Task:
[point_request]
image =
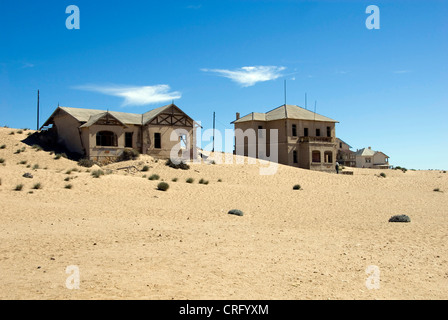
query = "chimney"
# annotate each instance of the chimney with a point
(370, 148)
(238, 116)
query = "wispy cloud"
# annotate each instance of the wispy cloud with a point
(27, 65)
(135, 96)
(402, 71)
(249, 76)
(194, 7)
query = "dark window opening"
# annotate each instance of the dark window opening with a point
(157, 141)
(294, 130)
(106, 139)
(317, 132)
(306, 132)
(316, 156)
(340, 145)
(128, 140)
(294, 156)
(328, 157)
(328, 132)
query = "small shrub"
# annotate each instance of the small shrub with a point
(236, 212)
(219, 180)
(20, 131)
(297, 187)
(57, 156)
(190, 180)
(444, 171)
(154, 177)
(37, 186)
(3, 146)
(163, 186)
(37, 147)
(181, 165)
(68, 171)
(436, 190)
(67, 179)
(129, 154)
(400, 218)
(11, 133)
(145, 169)
(68, 186)
(23, 162)
(97, 173)
(174, 179)
(18, 187)
(35, 167)
(202, 181)
(382, 174)
(87, 163)
(18, 151)
(2, 160)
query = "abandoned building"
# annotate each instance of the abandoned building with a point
(305, 139)
(103, 135)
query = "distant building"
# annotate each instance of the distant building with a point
(345, 156)
(103, 135)
(368, 158)
(306, 139)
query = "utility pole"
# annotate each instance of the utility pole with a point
(214, 125)
(37, 129)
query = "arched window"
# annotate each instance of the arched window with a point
(316, 156)
(328, 157)
(106, 139)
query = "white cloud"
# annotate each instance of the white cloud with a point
(249, 76)
(136, 96)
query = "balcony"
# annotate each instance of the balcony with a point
(317, 139)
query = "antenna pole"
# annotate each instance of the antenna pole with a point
(285, 92)
(38, 106)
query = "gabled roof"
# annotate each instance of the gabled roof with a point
(285, 112)
(94, 119)
(365, 152)
(344, 142)
(89, 116)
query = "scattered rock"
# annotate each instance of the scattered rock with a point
(400, 218)
(236, 212)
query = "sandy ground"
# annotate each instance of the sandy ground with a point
(131, 241)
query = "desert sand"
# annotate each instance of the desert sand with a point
(131, 241)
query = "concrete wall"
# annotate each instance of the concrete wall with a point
(100, 152)
(68, 133)
(166, 144)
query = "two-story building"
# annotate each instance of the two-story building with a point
(305, 139)
(345, 156)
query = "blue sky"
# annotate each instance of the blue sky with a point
(387, 87)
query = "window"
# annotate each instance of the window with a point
(157, 140)
(329, 132)
(328, 157)
(106, 139)
(368, 160)
(294, 157)
(294, 130)
(317, 132)
(316, 156)
(340, 145)
(306, 132)
(128, 140)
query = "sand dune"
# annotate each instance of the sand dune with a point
(131, 241)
